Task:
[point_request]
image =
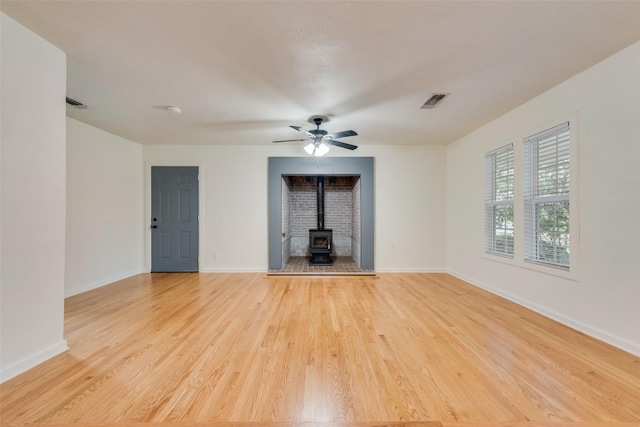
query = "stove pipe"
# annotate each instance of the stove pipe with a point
(320, 182)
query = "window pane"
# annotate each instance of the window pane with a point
(546, 194)
(552, 164)
(503, 229)
(499, 201)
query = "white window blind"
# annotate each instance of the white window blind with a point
(546, 196)
(499, 201)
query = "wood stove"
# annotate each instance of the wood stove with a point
(320, 246)
(320, 239)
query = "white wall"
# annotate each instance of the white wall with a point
(410, 192)
(105, 205)
(33, 82)
(603, 301)
(409, 189)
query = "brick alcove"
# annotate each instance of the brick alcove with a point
(360, 171)
(341, 214)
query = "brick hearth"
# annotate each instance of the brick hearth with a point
(341, 266)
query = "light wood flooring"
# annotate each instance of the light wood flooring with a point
(415, 350)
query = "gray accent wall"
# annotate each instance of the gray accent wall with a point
(362, 166)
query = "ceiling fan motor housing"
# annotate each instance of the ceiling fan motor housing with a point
(318, 132)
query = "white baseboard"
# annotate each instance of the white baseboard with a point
(410, 270)
(23, 365)
(596, 333)
(233, 270)
(99, 283)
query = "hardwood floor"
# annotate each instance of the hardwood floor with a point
(416, 350)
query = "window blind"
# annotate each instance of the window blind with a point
(499, 201)
(546, 196)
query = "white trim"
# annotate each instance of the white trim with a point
(410, 270)
(596, 333)
(99, 283)
(233, 270)
(33, 360)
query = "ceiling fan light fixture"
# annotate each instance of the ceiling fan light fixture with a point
(317, 150)
(322, 149)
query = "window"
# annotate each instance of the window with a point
(546, 197)
(499, 201)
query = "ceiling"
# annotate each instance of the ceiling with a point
(242, 71)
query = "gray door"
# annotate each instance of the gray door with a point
(174, 218)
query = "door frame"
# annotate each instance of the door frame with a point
(146, 221)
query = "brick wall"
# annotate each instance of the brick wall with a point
(338, 207)
(303, 209)
(338, 212)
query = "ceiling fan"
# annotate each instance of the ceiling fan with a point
(320, 138)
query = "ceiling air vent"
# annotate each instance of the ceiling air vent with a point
(75, 103)
(435, 99)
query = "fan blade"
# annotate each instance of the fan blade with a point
(291, 140)
(342, 134)
(340, 144)
(299, 129)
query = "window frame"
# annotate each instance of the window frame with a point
(517, 138)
